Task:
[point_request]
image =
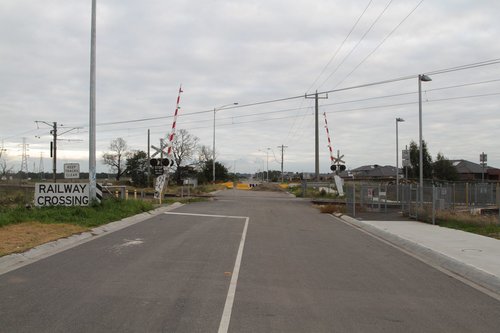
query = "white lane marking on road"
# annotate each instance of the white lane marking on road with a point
(127, 243)
(228, 306)
(208, 215)
(136, 241)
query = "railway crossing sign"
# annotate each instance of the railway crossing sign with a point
(160, 150)
(338, 163)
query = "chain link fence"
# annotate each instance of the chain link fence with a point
(373, 197)
(477, 198)
(16, 194)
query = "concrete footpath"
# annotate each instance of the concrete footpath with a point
(472, 258)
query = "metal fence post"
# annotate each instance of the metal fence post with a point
(361, 195)
(354, 199)
(417, 205)
(491, 194)
(433, 205)
(453, 196)
(385, 201)
(379, 198)
(498, 201)
(467, 195)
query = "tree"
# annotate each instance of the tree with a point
(204, 154)
(206, 174)
(116, 159)
(184, 146)
(137, 168)
(4, 168)
(414, 170)
(444, 169)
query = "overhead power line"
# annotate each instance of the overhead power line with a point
(380, 44)
(463, 67)
(408, 77)
(340, 46)
(357, 109)
(358, 43)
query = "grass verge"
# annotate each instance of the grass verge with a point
(22, 228)
(481, 225)
(91, 216)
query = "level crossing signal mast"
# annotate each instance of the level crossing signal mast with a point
(159, 165)
(166, 160)
(337, 164)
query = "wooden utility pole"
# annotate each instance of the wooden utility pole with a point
(282, 154)
(316, 131)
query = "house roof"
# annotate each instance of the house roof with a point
(464, 166)
(375, 171)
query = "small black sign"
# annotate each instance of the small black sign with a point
(158, 170)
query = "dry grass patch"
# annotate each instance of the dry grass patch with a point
(20, 237)
(482, 225)
(330, 209)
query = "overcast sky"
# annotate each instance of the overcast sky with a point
(249, 52)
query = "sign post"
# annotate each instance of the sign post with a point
(483, 159)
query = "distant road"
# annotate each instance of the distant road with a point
(297, 271)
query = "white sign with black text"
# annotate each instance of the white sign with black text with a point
(62, 194)
(71, 170)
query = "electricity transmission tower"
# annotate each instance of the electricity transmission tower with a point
(2, 150)
(24, 160)
(53, 143)
(41, 170)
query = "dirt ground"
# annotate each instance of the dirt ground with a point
(23, 236)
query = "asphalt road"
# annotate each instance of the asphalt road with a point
(255, 261)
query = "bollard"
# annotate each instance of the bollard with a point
(126, 194)
(135, 194)
(116, 193)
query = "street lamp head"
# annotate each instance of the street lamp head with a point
(399, 120)
(224, 106)
(424, 78)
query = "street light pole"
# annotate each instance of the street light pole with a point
(213, 146)
(92, 107)
(213, 154)
(398, 120)
(424, 78)
(267, 166)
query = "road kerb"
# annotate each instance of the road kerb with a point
(16, 260)
(476, 277)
